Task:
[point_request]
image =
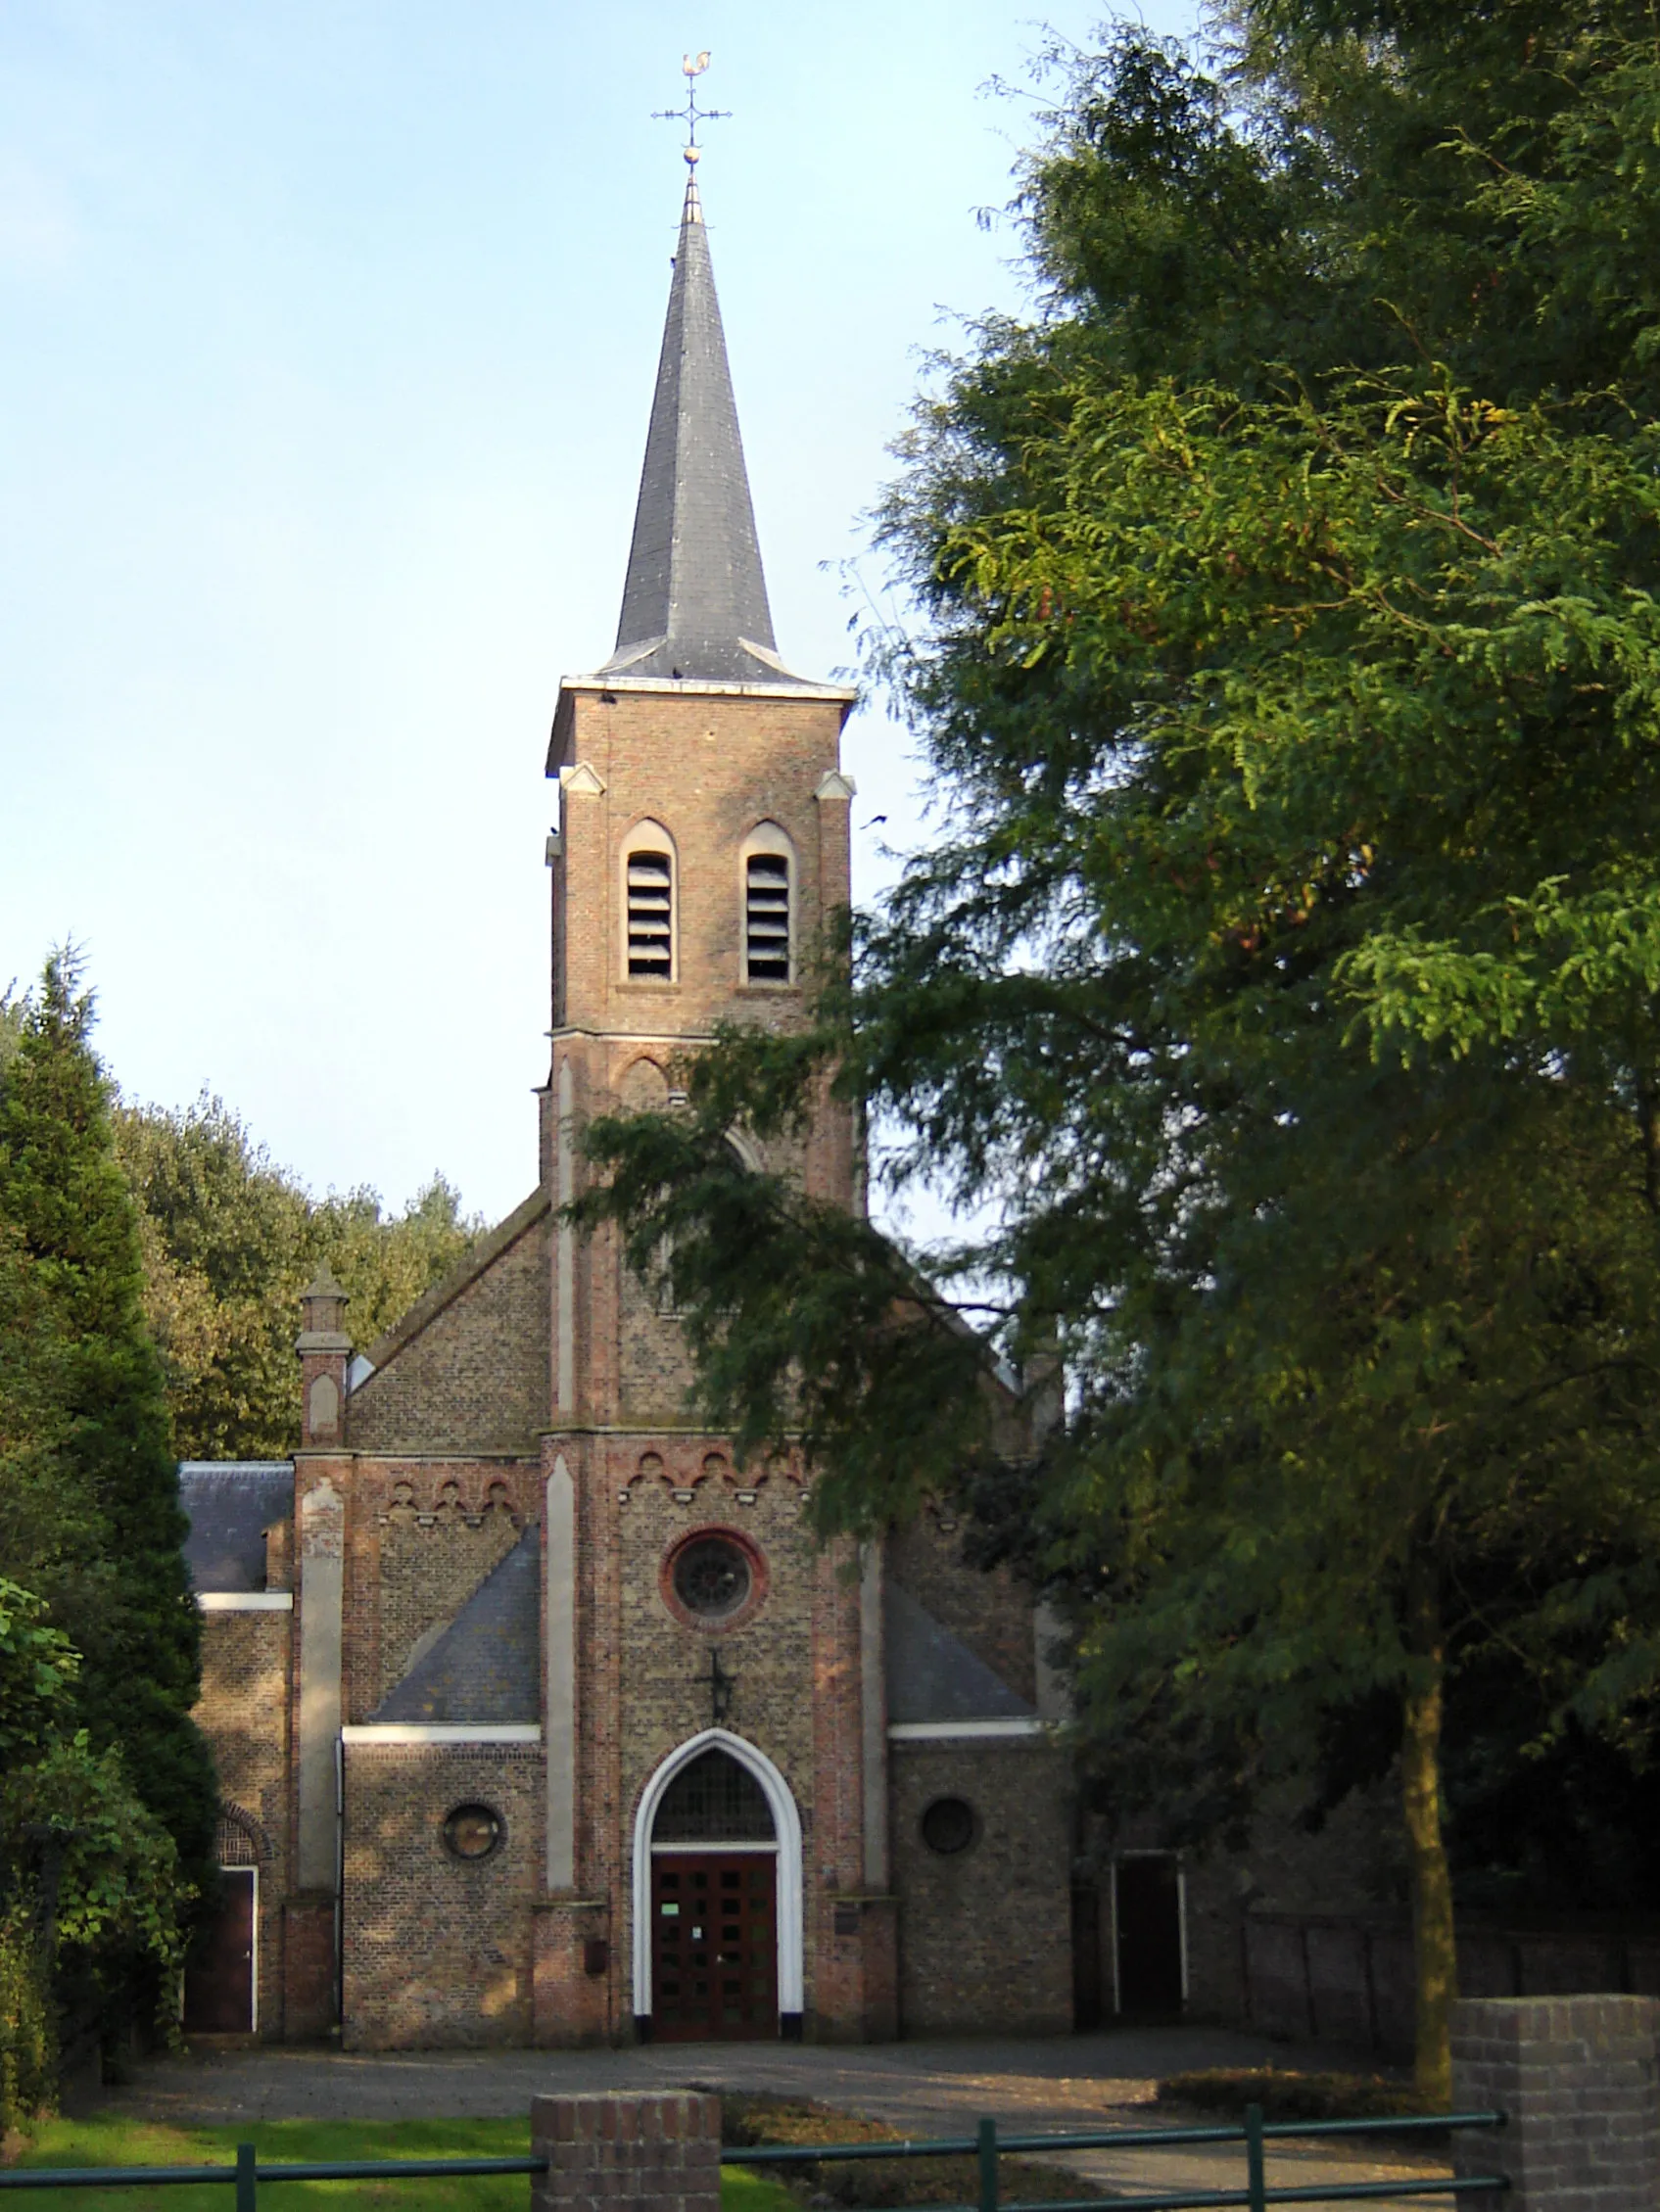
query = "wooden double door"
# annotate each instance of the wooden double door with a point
(714, 1945)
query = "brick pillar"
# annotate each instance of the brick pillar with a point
(627, 2152)
(1577, 2078)
(324, 1349)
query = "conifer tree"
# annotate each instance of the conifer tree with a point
(104, 1534)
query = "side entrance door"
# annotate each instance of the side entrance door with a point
(1147, 1897)
(714, 1945)
(218, 1983)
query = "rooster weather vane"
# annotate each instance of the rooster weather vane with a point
(691, 114)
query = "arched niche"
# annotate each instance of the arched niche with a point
(643, 1088)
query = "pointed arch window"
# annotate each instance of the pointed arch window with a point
(648, 905)
(768, 867)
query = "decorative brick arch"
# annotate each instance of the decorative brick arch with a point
(786, 1827)
(239, 1831)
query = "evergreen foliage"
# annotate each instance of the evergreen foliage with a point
(95, 1527)
(230, 1240)
(1284, 971)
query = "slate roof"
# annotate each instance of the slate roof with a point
(484, 1667)
(231, 1503)
(934, 1675)
(694, 602)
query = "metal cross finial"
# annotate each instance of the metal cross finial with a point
(691, 114)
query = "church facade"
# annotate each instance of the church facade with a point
(538, 1719)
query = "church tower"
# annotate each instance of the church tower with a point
(539, 1721)
(710, 1656)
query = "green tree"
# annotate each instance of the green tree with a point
(1283, 974)
(90, 1895)
(229, 1242)
(89, 1425)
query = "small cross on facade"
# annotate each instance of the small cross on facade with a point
(721, 1687)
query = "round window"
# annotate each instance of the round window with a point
(713, 1578)
(472, 1832)
(949, 1825)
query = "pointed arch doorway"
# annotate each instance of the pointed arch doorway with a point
(717, 1896)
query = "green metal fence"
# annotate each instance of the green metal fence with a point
(985, 2145)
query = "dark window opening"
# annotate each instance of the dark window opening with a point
(650, 901)
(712, 1577)
(472, 1832)
(949, 1825)
(714, 1800)
(766, 915)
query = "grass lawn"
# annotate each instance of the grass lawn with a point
(105, 2140)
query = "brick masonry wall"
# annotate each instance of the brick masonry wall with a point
(650, 2153)
(991, 1612)
(708, 769)
(432, 1561)
(243, 1711)
(421, 1535)
(437, 1952)
(986, 1934)
(663, 1693)
(1351, 1864)
(475, 1377)
(1578, 2079)
(654, 1370)
(308, 1961)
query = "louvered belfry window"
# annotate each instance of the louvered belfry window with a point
(651, 915)
(766, 918)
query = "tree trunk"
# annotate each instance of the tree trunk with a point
(1433, 1947)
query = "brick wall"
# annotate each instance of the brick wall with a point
(1348, 1865)
(655, 1372)
(475, 1377)
(421, 1535)
(437, 1952)
(1578, 2079)
(662, 1694)
(986, 1934)
(652, 2153)
(243, 1711)
(707, 769)
(991, 1612)
(438, 1541)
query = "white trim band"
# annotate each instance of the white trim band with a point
(245, 1601)
(943, 1731)
(440, 1732)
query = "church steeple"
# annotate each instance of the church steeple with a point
(694, 602)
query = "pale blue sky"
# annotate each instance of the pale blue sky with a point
(327, 334)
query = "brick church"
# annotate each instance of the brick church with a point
(539, 1721)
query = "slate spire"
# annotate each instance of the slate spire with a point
(694, 602)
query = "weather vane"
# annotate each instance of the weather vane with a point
(691, 114)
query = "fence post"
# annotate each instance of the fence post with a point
(988, 2146)
(247, 2178)
(1578, 2080)
(627, 2152)
(1256, 2185)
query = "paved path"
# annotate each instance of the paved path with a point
(1066, 2083)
